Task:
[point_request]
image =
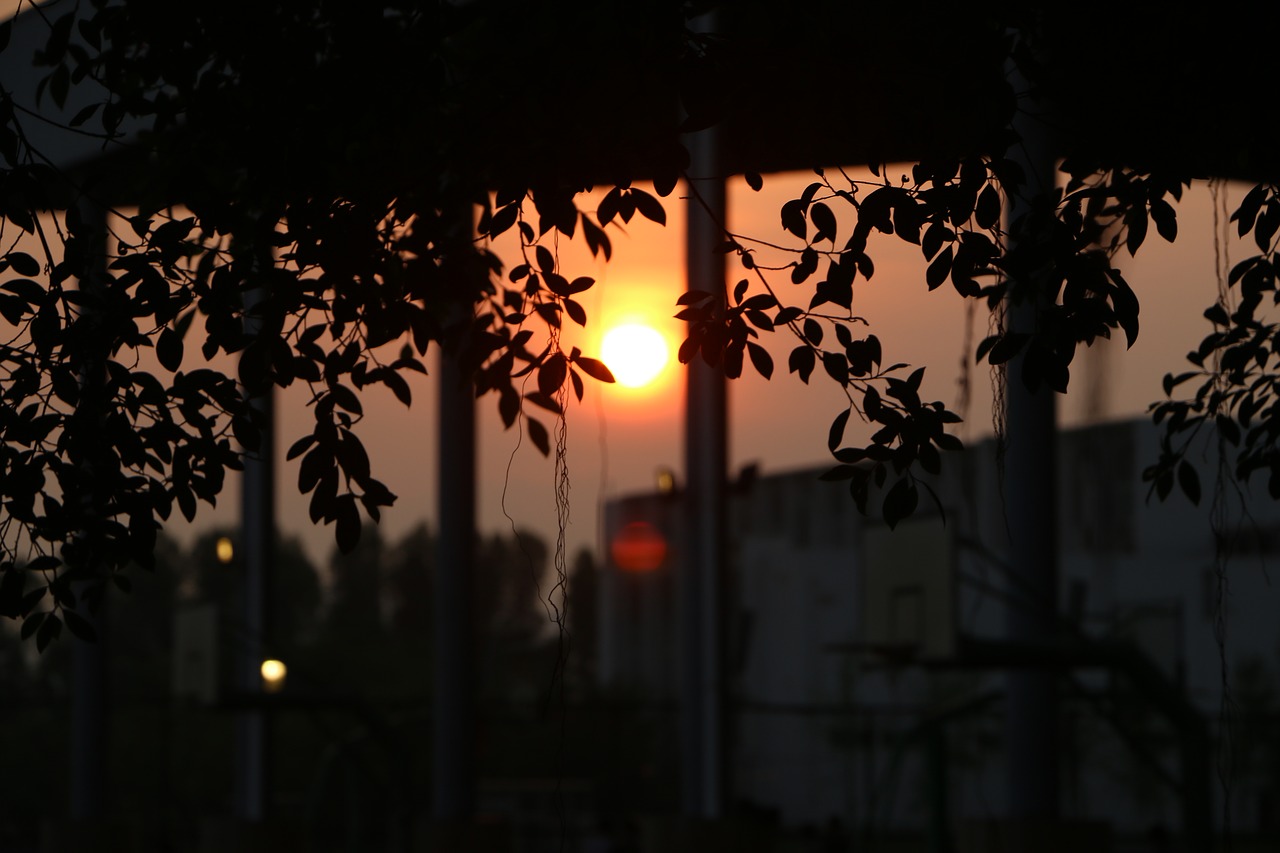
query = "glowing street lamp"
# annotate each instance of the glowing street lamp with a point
(273, 675)
(224, 550)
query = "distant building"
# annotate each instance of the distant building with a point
(832, 615)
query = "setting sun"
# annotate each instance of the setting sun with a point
(635, 353)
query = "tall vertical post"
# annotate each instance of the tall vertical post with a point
(88, 660)
(88, 726)
(253, 741)
(453, 783)
(704, 568)
(1030, 503)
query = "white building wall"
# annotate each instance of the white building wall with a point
(824, 731)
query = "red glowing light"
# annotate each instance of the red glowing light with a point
(638, 547)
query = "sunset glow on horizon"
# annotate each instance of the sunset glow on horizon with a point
(620, 435)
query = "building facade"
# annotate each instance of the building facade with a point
(855, 692)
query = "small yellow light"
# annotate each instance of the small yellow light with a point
(225, 550)
(273, 673)
(666, 481)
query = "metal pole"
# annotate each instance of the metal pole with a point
(253, 739)
(1030, 504)
(257, 531)
(88, 659)
(939, 812)
(88, 726)
(454, 748)
(704, 567)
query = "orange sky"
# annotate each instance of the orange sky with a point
(619, 438)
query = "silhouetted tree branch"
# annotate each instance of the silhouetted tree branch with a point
(342, 139)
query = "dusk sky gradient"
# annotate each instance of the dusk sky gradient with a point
(618, 438)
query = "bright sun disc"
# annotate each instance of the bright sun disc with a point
(636, 354)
